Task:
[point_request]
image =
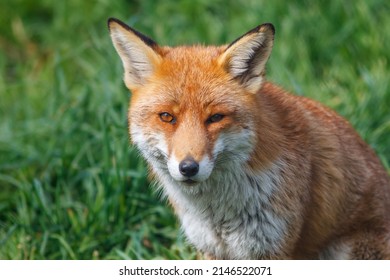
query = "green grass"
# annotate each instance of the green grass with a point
(72, 187)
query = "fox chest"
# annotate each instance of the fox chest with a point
(235, 236)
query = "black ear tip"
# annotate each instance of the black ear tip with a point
(267, 27)
(144, 38)
(110, 21)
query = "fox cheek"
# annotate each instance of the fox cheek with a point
(233, 146)
(219, 146)
(152, 145)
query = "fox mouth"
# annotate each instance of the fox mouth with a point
(190, 182)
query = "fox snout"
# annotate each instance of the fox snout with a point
(189, 170)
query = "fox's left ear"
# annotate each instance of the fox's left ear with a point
(246, 57)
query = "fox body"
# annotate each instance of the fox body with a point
(252, 171)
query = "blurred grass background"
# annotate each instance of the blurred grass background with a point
(72, 187)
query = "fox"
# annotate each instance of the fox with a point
(251, 170)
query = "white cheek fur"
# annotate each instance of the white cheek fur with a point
(152, 146)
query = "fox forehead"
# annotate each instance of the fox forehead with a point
(190, 69)
(180, 57)
(189, 76)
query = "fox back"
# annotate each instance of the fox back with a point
(252, 171)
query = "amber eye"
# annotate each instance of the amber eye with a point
(215, 118)
(166, 117)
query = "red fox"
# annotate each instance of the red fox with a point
(252, 171)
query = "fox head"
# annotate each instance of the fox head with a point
(193, 108)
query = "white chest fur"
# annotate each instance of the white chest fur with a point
(231, 216)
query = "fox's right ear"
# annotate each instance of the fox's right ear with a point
(137, 52)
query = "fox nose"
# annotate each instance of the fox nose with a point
(188, 167)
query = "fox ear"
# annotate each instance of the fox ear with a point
(137, 52)
(246, 57)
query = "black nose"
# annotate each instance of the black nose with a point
(188, 167)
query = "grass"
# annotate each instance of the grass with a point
(72, 187)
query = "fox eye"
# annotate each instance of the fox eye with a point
(166, 117)
(215, 118)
